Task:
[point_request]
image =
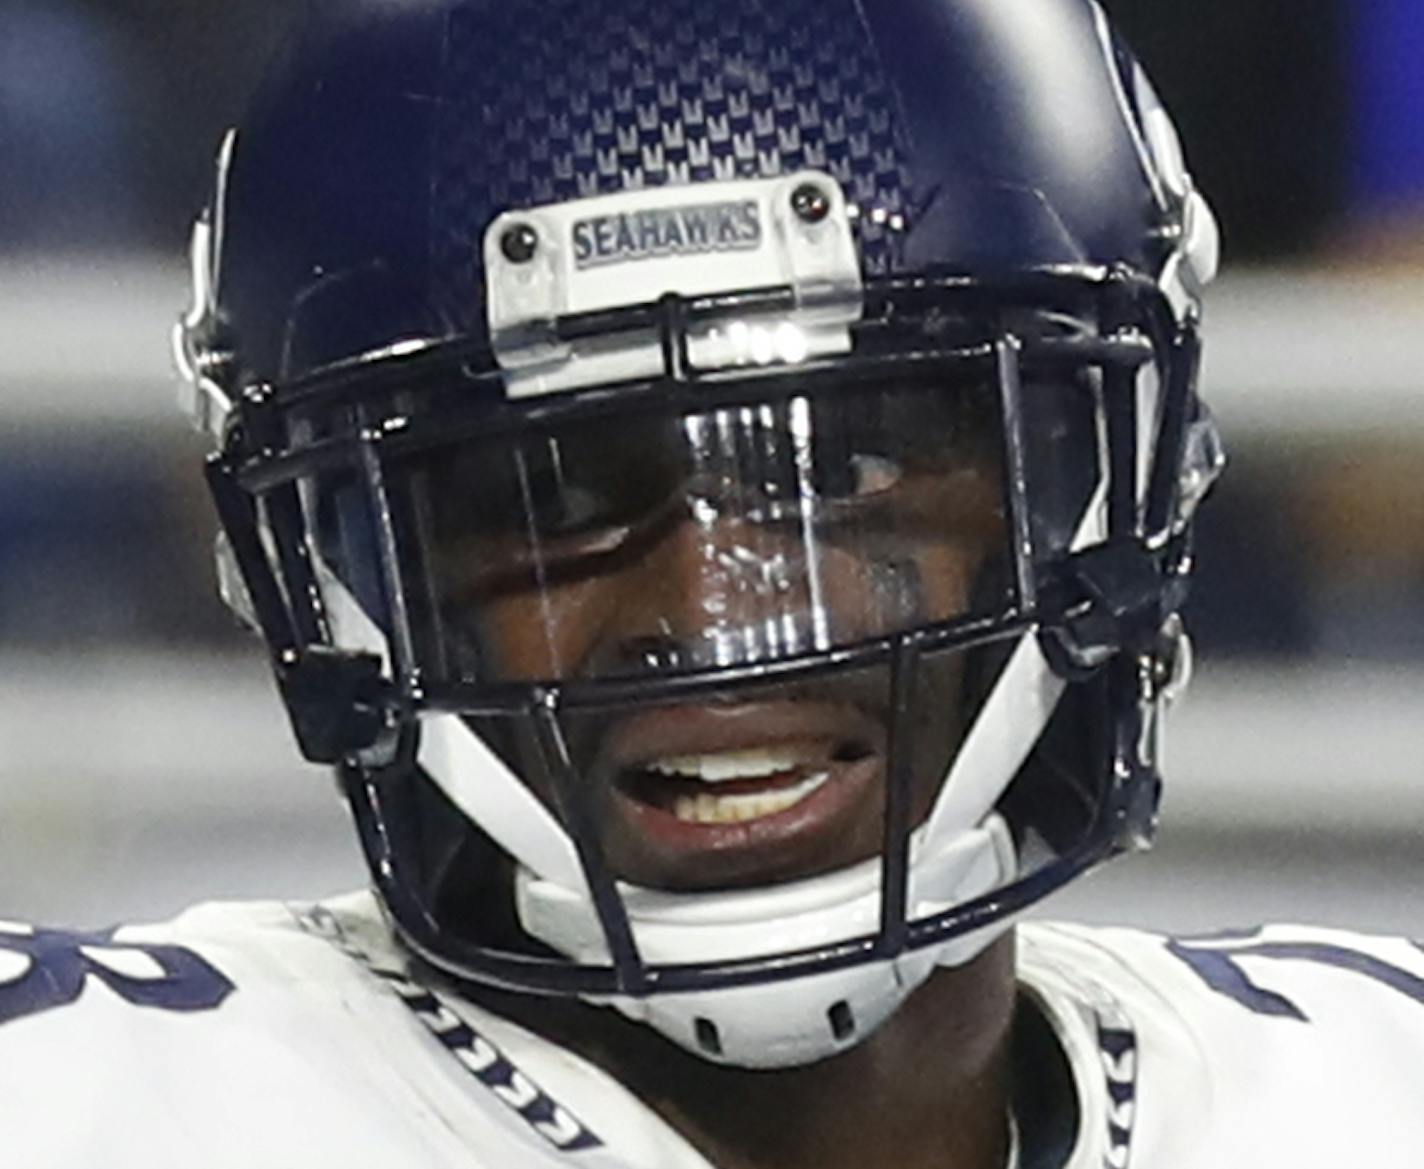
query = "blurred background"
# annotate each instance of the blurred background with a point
(145, 762)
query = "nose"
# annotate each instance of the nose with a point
(713, 591)
(654, 653)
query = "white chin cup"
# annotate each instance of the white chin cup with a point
(798, 1020)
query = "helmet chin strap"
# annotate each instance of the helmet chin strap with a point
(477, 782)
(1014, 716)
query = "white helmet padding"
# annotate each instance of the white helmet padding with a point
(799, 1020)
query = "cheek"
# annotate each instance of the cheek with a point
(535, 636)
(946, 580)
(931, 583)
(939, 727)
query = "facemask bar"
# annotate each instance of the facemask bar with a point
(1116, 594)
(895, 852)
(629, 971)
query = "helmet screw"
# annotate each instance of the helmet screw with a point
(519, 243)
(810, 203)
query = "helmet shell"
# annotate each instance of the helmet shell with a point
(973, 136)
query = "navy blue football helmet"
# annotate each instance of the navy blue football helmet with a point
(716, 479)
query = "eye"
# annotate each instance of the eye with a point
(567, 509)
(872, 475)
(855, 477)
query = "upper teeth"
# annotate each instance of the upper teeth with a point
(730, 765)
(706, 808)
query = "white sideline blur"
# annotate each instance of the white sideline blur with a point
(1290, 351)
(167, 735)
(132, 786)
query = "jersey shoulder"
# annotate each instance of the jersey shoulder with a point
(1335, 980)
(302, 1033)
(44, 971)
(1294, 1043)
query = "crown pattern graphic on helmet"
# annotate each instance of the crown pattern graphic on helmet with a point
(566, 100)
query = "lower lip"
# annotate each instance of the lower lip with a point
(774, 847)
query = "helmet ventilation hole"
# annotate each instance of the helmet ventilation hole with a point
(708, 1037)
(842, 1020)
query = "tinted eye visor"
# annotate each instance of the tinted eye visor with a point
(667, 538)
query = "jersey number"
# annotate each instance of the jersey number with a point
(1216, 964)
(44, 969)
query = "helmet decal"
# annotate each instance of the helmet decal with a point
(552, 102)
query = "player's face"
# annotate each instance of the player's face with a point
(738, 536)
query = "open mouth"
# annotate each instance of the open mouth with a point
(735, 787)
(725, 795)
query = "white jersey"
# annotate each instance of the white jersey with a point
(296, 1037)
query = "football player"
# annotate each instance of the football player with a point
(717, 482)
